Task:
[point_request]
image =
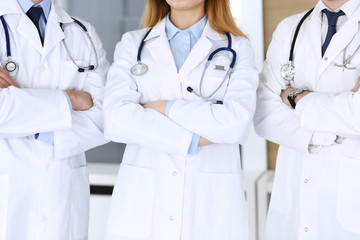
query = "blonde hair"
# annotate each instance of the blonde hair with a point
(217, 11)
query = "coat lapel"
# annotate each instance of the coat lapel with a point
(53, 32)
(28, 30)
(200, 51)
(158, 46)
(24, 26)
(341, 40)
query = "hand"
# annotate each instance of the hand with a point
(157, 105)
(6, 80)
(80, 100)
(357, 86)
(284, 94)
(204, 142)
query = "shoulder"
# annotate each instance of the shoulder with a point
(133, 37)
(242, 45)
(129, 43)
(80, 22)
(289, 24)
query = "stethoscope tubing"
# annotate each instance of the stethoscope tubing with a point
(138, 58)
(82, 68)
(7, 36)
(291, 55)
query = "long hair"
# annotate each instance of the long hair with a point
(217, 11)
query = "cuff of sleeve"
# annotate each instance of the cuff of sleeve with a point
(314, 149)
(68, 100)
(168, 107)
(47, 137)
(323, 139)
(194, 144)
(300, 106)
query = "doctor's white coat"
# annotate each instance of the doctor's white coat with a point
(162, 192)
(315, 196)
(44, 188)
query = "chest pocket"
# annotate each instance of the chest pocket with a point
(215, 79)
(350, 55)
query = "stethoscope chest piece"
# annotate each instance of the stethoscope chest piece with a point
(288, 72)
(10, 66)
(139, 69)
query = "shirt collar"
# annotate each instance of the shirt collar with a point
(348, 8)
(195, 29)
(27, 4)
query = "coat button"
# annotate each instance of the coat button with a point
(171, 218)
(325, 58)
(306, 181)
(174, 173)
(306, 229)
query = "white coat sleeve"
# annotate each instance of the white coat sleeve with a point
(229, 122)
(333, 113)
(127, 121)
(86, 131)
(274, 120)
(24, 112)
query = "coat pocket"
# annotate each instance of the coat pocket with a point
(4, 195)
(132, 203)
(80, 197)
(348, 196)
(220, 210)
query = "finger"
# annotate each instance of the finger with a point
(3, 84)
(6, 76)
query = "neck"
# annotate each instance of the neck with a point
(184, 19)
(37, 1)
(334, 4)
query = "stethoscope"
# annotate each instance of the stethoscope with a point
(141, 68)
(347, 61)
(288, 70)
(12, 67)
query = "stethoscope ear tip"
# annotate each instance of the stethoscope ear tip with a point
(81, 70)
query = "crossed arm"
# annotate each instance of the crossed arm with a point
(160, 107)
(285, 93)
(80, 100)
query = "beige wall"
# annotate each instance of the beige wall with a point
(274, 12)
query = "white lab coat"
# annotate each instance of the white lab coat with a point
(315, 196)
(162, 192)
(44, 188)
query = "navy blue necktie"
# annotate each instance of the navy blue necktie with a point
(34, 14)
(332, 19)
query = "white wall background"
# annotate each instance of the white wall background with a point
(248, 15)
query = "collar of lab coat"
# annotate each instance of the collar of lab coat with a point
(199, 52)
(53, 31)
